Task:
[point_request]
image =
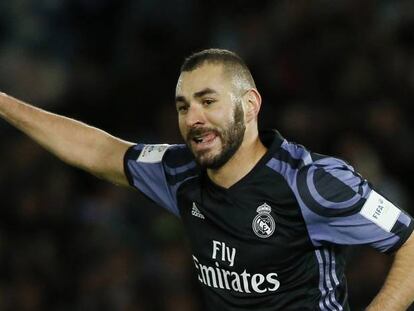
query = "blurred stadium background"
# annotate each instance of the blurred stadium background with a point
(336, 76)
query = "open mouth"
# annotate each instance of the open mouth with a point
(204, 138)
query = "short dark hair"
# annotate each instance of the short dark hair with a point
(232, 63)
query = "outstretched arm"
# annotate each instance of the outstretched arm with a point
(397, 293)
(74, 142)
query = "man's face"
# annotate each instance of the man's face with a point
(210, 114)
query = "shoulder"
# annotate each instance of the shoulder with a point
(302, 160)
(327, 185)
(171, 155)
(158, 171)
(178, 155)
(173, 162)
(331, 187)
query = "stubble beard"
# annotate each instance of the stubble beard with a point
(231, 139)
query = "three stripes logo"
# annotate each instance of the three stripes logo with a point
(196, 212)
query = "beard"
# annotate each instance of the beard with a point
(231, 139)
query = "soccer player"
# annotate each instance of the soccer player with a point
(268, 220)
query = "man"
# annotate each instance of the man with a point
(268, 220)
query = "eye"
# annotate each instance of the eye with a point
(182, 108)
(208, 101)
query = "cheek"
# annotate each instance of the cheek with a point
(182, 127)
(220, 116)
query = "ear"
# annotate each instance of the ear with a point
(252, 102)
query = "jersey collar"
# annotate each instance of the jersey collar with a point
(272, 141)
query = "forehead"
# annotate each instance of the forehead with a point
(211, 76)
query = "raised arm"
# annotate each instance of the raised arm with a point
(74, 142)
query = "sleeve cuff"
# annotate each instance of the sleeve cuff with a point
(130, 154)
(403, 238)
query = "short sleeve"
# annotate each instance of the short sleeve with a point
(158, 171)
(341, 207)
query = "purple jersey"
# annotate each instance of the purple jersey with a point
(275, 240)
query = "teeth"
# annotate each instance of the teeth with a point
(201, 137)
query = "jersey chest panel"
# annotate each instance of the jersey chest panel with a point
(250, 239)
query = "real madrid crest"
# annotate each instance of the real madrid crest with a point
(263, 224)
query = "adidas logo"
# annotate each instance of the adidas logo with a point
(196, 212)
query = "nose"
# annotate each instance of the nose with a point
(195, 116)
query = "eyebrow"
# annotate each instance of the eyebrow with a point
(203, 92)
(206, 91)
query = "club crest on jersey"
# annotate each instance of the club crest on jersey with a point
(263, 224)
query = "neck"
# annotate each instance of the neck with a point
(240, 164)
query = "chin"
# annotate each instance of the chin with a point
(206, 162)
(213, 162)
